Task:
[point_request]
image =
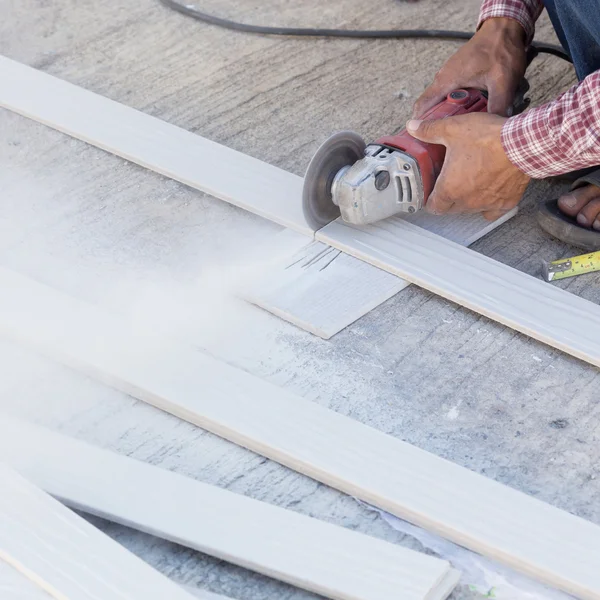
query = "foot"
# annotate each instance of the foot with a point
(583, 204)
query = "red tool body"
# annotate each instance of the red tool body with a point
(430, 157)
(395, 174)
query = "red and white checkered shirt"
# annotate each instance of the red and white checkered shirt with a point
(558, 137)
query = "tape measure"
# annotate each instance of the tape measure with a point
(569, 267)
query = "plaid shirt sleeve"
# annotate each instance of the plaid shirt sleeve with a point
(561, 136)
(525, 12)
(558, 137)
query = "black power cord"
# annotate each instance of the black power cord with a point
(440, 34)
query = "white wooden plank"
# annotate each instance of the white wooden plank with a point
(462, 229)
(66, 556)
(323, 290)
(15, 586)
(178, 154)
(147, 141)
(540, 540)
(317, 556)
(515, 299)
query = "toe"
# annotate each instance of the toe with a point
(573, 202)
(588, 215)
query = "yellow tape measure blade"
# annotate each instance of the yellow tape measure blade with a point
(570, 267)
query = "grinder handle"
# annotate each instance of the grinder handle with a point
(430, 157)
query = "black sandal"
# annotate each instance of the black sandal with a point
(565, 228)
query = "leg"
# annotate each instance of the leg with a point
(577, 24)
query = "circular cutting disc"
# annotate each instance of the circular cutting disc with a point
(340, 150)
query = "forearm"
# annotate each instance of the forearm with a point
(558, 137)
(526, 12)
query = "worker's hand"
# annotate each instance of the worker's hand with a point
(477, 175)
(494, 60)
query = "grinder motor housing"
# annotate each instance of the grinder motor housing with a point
(398, 172)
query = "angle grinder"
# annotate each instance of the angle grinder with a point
(395, 174)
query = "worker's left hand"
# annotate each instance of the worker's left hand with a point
(477, 175)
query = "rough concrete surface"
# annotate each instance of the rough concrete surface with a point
(418, 367)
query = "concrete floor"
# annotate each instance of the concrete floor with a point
(418, 367)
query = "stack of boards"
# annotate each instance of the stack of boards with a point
(555, 547)
(306, 552)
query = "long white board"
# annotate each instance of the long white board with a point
(515, 299)
(15, 586)
(311, 554)
(321, 289)
(232, 176)
(540, 540)
(195, 161)
(67, 557)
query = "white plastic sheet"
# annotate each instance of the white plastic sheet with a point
(486, 577)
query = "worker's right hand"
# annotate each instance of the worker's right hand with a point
(493, 60)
